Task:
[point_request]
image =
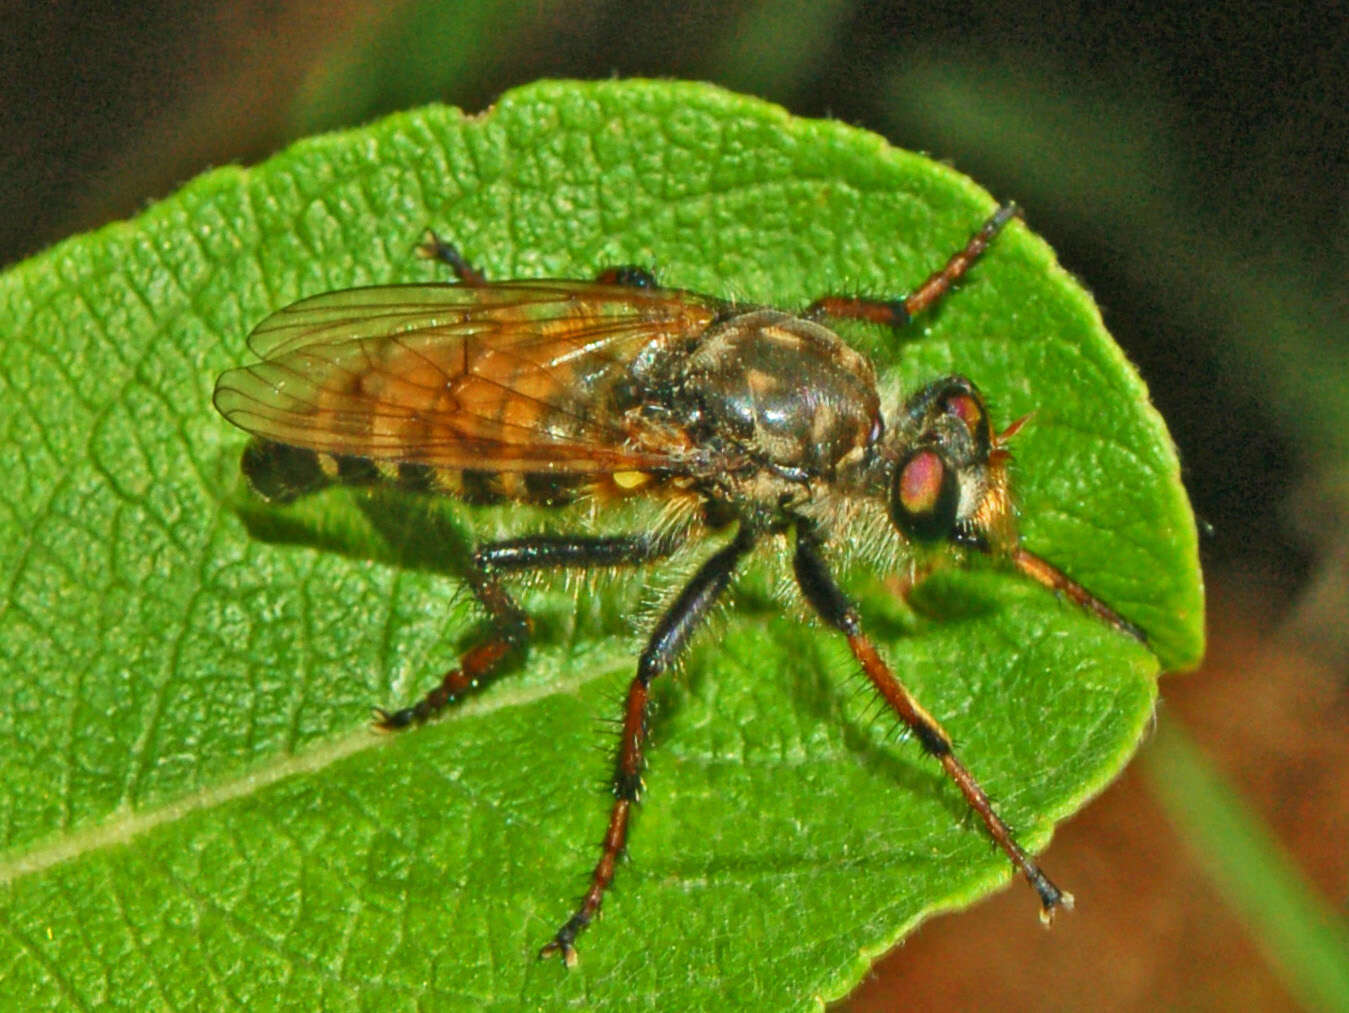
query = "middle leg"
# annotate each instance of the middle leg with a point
(667, 641)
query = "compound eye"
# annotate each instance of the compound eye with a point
(924, 499)
(967, 408)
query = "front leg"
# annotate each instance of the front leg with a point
(667, 641)
(827, 598)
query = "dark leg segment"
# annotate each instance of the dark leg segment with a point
(489, 562)
(432, 247)
(824, 594)
(667, 640)
(627, 275)
(898, 312)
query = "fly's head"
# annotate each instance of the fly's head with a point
(946, 479)
(942, 470)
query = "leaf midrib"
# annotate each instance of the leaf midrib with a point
(127, 823)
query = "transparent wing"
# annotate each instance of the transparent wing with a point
(503, 377)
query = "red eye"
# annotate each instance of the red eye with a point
(967, 409)
(920, 483)
(924, 496)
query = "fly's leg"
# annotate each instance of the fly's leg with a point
(627, 275)
(432, 247)
(489, 563)
(1056, 580)
(822, 591)
(667, 640)
(898, 312)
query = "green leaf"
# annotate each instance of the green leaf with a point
(195, 810)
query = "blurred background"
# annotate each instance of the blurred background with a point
(1188, 162)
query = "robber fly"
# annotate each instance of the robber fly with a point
(757, 421)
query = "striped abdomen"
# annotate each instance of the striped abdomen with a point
(282, 473)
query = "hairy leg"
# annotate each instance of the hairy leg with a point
(668, 639)
(827, 598)
(510, 624)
